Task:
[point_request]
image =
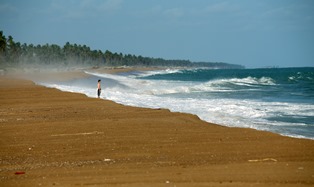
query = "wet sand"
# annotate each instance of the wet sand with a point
(54, 138)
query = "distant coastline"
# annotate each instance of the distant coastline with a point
(15, 55)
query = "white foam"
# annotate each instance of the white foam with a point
(248, 81)
(159, 72)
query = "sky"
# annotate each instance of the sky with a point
(253, 33)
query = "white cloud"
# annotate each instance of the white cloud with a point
(110, 5)
(84, 8)
(287, 16)
(174, 12)
(96, 5)
(9, 12)
(221, 7)
(7, 8)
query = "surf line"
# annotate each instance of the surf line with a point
(79, 134)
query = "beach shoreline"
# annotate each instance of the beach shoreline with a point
(50, 137)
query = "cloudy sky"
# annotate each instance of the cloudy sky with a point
(254, 33)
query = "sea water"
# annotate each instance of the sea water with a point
(280, 100)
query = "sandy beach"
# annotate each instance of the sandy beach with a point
(54, 138)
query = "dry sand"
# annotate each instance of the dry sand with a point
(54, 138)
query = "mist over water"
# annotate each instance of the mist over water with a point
(276, 100)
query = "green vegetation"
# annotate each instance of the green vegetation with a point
(15, 54)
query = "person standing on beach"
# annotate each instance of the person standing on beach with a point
(98, 88)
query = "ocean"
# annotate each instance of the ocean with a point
(279, 100)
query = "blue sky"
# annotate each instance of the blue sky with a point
(254, 33)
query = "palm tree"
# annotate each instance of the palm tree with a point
(3, 42)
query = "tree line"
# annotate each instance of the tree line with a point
(14, 54)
